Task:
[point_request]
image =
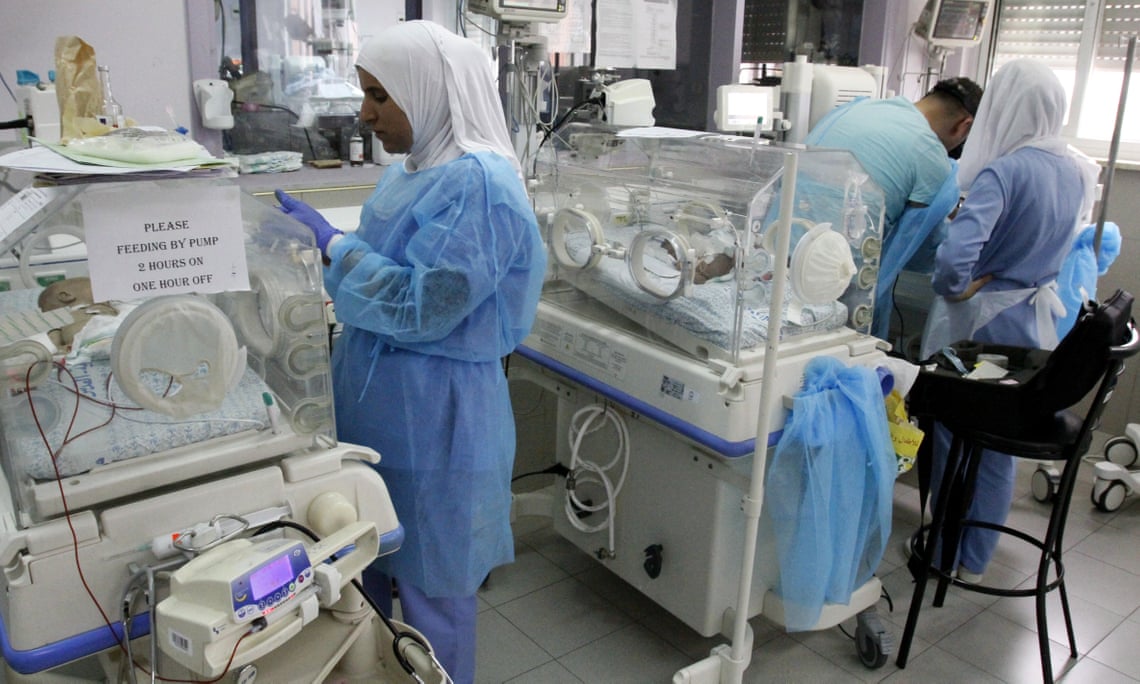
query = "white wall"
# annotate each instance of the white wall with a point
(144, 43)
(887, 40)
(373, 16)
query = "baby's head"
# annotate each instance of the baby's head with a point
(66, 293)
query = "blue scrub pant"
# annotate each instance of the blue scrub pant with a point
(993, 494)
(447, 623)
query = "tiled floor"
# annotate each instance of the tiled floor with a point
(556, 615)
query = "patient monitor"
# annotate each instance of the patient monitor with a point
(953, 23)
(740, 107)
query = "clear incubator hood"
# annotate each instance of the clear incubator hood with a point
(671, 235)
(209, 354)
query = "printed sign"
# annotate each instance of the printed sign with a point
(165, 241)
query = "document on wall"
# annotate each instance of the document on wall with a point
(637, 34)
(570, 35)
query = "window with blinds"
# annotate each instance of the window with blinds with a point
(1121, 21)
(1085, 43)
(1046, 30)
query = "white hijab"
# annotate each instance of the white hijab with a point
(1023, 106)
(446, 87)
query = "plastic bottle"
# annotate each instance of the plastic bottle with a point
(356, 148)
(112, 112)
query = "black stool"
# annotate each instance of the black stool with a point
(1053, 435)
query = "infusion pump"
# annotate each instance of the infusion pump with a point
(520, 10)
(264, 590)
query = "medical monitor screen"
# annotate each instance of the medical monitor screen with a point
(739, 106)
(959, 20)
(953, 23)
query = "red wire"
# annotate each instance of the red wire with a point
(68, 439)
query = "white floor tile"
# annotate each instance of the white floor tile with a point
(1117, 546)
(530, 572)
(1089, 671)
(1101, 583)
(1002, 648)
(550, 673)
(564, 617)
(1091, 623)
(633, 654)
(503, 651)
(786, 660)
(936, 665)
(558, 550)
(933, 623)
(1119, 650)
(838, 646)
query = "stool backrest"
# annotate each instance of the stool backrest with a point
(1079, 362)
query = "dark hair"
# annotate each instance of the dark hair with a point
(961, 91)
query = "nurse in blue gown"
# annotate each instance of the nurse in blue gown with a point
(438, 284)
(1028, 194)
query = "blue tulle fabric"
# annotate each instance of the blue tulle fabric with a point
(828, 490)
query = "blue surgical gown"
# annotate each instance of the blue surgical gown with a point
(440, 281)
(1017, 223)
(894, 143)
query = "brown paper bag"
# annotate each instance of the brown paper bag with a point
(76, 86)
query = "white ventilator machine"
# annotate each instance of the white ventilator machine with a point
(670, 257)
(173, 502)
(809, 91)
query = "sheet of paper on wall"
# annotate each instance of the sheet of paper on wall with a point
(571, 35)
(637, 34)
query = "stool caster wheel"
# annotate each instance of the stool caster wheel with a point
(1108, 495)
(873, 642)
(1121, 451)
(1044, 484)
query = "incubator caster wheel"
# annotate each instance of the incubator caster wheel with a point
(873, 642)
(1043, 485)
(1108, 495)
(1121, 451)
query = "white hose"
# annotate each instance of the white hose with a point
(585, 471)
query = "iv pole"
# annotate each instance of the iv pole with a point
(1114, 147)
(726, 665)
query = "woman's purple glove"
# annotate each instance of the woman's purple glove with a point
(310, 217)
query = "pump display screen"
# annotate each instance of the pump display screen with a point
(270, 577)
(959, 19)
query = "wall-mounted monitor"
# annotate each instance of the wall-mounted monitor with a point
(953, 23)
(520, 10)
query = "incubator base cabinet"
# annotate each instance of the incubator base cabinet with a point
(653, 332)
(173, 501)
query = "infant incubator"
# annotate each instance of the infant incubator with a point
(667, 276)
(167, 438)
